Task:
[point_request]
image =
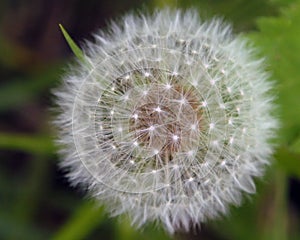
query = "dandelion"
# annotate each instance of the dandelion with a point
(168, 119)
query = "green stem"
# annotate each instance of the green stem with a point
(276, 222)
(82, 223)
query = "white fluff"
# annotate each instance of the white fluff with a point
(168, 119)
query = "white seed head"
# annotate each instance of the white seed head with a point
(175, 140)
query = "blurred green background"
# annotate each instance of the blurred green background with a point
(36, 202)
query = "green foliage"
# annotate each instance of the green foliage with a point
(240, 12)
(282, 3)
(288, 160)
(86, 218)
(31, 144)
(296, 147)
(279, 40)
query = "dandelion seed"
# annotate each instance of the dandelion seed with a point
(191, 179)
(175, 138)
(168, 86)
(155, 151)
(135, 116)
(150, 127)
(223, 163)
(194, 126)
(206, 181)
(147, 74)
(157, 109)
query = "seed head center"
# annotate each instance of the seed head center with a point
(163, 121)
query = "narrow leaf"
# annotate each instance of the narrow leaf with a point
(32, 144)
(75, 49)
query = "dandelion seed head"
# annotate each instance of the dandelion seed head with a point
(171, 120)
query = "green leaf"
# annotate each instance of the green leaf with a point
(279, 41)
(240, 12)
(288, 161)
(76, 50)
(32, 144)
(296, 147)
(85, 219)
(282, 2)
